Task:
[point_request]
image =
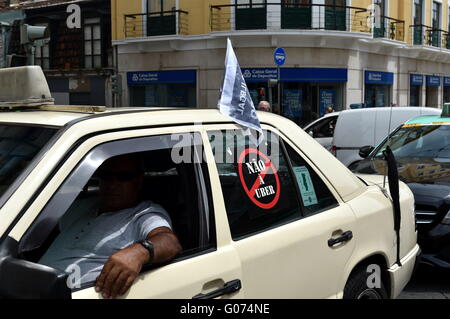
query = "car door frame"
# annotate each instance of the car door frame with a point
(219, 266)
(291, 228)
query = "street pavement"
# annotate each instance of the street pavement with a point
(428, 283)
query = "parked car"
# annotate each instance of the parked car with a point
(322, 129)
(361, 127)
(422, 149)
(292, 222)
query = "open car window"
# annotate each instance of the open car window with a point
(324, 128)
(179, 185)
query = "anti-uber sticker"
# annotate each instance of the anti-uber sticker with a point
(259, 178)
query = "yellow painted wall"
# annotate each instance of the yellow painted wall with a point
(427, 18)
(405, 12)
(118, 9)
(198, 19)
(361, 3)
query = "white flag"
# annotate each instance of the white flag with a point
(235, 101)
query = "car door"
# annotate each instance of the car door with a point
(178, 179)
(291, 230)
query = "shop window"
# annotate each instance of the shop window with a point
(415, 95)
(164, 95)
(92, 43)
(447, 94)
(377, 95)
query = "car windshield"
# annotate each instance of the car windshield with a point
(429, 141)
(19, 144)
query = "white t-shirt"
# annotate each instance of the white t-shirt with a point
(85, 244)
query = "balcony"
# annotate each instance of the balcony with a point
(173, 22)
(428, 36)
(315, 17)
(390, 28)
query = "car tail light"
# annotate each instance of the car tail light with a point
(334, 150)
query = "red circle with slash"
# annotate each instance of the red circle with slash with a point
(257, 183)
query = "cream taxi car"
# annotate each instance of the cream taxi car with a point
(284, 219)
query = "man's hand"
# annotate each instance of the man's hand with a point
(120, 271)
(123, 267)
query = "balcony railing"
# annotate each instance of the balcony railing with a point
(390, 28)
(426, 35)
(302, 17)
(156, 23)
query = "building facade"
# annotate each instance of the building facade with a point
(77, 60)
(338, 52)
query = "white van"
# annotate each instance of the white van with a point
(368, 127)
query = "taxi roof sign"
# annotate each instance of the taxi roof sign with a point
(24, 87)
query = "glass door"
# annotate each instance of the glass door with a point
(251, 14)
(418, 22)
(379, 31)
(436, 24)
(161, 17)
(296, 14)
(335, 15)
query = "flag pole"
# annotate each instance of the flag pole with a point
(279, 89)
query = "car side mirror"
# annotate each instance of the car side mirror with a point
(365, 151)
(311, 133)
(22, 279)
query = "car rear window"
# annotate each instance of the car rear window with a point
(258, 187)
(18, 146)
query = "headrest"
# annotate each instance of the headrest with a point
(158, 161)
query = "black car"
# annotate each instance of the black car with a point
(422, 149)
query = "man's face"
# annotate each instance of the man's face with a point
(120, 183)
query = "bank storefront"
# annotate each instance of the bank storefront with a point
(432, 91)
(305, 93)
(378, 88)
(446, 89)
(176, 88)
(415, 89)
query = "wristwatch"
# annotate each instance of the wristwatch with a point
(149, 246)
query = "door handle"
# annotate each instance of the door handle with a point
(347, 236)
(228, 288)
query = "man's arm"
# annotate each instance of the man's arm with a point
(123, 267)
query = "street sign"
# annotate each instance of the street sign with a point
(279, 56)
